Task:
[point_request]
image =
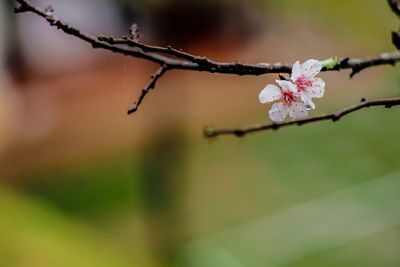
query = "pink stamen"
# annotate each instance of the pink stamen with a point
(303, 83)
(288, 97)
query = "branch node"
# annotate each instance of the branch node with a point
(20, 9)
(344, 62)
(239, 133)
(209, 132)
(335, 118)
(355, 70)
(283, 78)
(134, 33)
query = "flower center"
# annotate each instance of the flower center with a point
(303, 83)
(288, 97)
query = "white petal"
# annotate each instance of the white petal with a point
(310, 68)
(296, 71)
(278, 112)
(287, 86)
(305, 97)
(270, 93)
(298, 111)
(317, 90)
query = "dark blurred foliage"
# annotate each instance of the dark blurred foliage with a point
(184, 23)
(164, 187)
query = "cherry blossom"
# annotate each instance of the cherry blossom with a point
(289, 102)
(303, 76)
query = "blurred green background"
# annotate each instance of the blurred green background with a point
(84, 185)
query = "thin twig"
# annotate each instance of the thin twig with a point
(150, 48)
(240, 132)
(154, 78)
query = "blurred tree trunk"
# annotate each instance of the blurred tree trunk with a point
(164, 186)
(15, 62)
(198, 24)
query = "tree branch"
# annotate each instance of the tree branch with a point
(176, 59)
(240, 132)
(154, 78)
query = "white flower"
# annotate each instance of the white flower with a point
(303, 76)
(289, 103)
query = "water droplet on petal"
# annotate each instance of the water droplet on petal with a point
(308, 107)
